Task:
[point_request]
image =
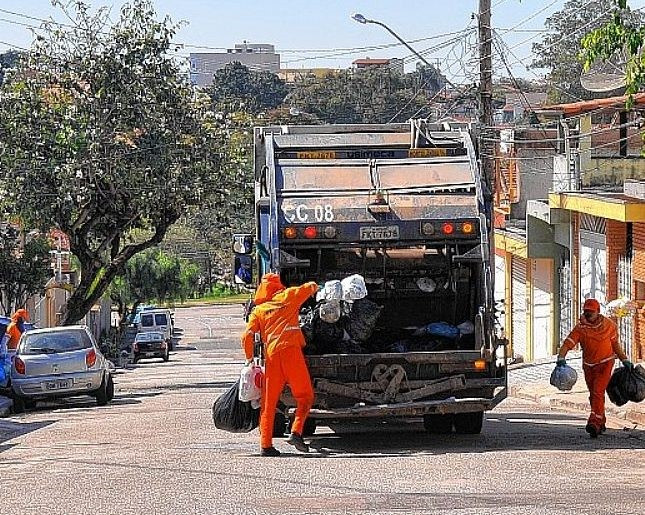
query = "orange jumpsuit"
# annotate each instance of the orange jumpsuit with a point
(276, 318)
(13, 331)
(599, 342)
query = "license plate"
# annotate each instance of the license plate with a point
(390, 232)
(149, 354)
(58, 385)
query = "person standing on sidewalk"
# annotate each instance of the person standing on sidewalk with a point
(16, 328)
(598, 337)
(276, 317)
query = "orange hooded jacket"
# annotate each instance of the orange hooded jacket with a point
(13, 331)
(276, 315)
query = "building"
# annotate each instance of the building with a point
(292, 75)
(366, 63)
(518, 104)
(573, 224)
(257, 57)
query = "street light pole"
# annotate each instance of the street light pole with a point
(362, 19)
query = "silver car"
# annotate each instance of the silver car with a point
(59, 362)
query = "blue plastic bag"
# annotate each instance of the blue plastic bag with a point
(443, 329)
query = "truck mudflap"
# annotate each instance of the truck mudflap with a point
(410, 409)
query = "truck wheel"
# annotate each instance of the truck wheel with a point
(438, 424)
(469, 423)
(279, 425)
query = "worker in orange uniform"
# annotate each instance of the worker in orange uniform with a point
(598, 337)
(276, 317)
(16, 328)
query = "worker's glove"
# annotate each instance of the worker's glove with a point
(561, 362)
(248, 362)
(628, 364)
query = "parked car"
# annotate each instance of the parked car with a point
(157, 320)
(59, 362)
(151, 344)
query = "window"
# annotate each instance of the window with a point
(54, 342)
(147, 321)
(161, 319)
(640, 290)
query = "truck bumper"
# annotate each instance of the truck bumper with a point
(411, 409)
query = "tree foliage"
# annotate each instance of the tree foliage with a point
(8, 60)
(621, 33)
(25, 267)
(558, 51)
(100, 134)
(237, 88)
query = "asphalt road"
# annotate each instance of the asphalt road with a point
(155, 450)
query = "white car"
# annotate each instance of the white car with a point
(157, 320)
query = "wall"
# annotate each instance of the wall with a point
(616, 246)
(638, 232)
(613, 171)
(535, 168)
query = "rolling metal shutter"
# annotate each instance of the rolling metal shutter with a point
(518, 301)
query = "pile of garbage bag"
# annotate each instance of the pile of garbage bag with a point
(233, 415)
(627, 385)
(563, 377)
(345, 321)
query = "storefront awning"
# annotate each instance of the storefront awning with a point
(612, 206)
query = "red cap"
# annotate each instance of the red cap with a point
(591, 305)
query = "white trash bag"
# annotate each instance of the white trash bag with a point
(563, 377)
(251, 380)
(333, 290)
(330, 311)
(354, 287)
(426, 284)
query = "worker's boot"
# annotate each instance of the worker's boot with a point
(270, 451)
(602, 429)
(591, 429)
(296, 440)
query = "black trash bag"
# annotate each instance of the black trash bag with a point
(349, 347)
(616, 387)
(362, 319)
(233, 415)
(327, 336)
(635, 384)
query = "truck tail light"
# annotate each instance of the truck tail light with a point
(290, 233)
(467, 228)
(427, 228)
(90, 358)
(447, 228)
(310, 232)
(480, 364)
(19, 366)
(329, 231)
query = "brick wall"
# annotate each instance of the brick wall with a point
(616, 243)
(638, 273)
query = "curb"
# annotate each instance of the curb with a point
(629, 415)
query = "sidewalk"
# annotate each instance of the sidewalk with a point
(532, 382)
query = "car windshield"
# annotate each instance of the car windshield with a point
(54, 342)
(147, 321)
(161, 319)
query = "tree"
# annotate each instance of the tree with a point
(24, 268)
(236, 88)
(100, 134)
(8, 60)
(360, 96)
(559, 49)
(621, 33)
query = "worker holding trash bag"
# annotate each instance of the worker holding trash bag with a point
(598, 337)
(276, 318)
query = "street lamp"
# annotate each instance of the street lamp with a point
(363, 20)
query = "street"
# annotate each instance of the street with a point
(155, 450)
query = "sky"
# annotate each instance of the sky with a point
(321, 33)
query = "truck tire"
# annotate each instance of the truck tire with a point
(438, 424)
(279, 425)
(469, 423)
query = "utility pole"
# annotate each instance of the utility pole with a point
(486, 91)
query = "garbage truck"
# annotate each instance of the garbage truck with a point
(404, 206)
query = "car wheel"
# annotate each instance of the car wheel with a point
(102, 393)
(438, 424)
(170, 346)
(166, 355)
(110, 389)
(469, 423)
(18, 404)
